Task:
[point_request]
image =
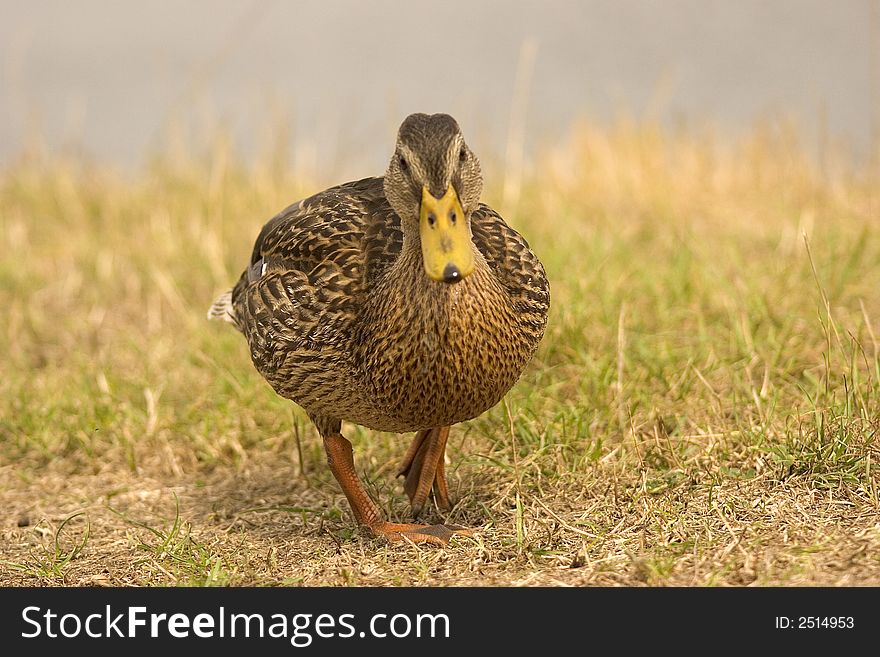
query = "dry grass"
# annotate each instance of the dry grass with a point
(703, 409)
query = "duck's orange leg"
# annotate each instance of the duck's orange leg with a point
(424, 469)
(366, 512)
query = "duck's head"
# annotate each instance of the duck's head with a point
(434, 184)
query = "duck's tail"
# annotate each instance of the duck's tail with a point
(223, 309)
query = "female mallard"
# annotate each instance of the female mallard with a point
(399, 303)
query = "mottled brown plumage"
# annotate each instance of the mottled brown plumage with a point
(341, 318)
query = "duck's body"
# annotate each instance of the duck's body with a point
(342, 318)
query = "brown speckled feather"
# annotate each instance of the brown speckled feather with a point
(342, 319)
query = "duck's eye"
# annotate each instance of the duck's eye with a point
(462, 154)
(403, 164)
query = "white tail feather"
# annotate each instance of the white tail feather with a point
(222, 308)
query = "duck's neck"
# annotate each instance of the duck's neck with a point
(409, 280)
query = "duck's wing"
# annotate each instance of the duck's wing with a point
(515, 266)
(308, 274)
(328, 226)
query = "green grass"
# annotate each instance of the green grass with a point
(703, 409)
(51, 563)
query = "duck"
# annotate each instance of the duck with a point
(400, 303)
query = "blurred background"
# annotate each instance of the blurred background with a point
(327, 82)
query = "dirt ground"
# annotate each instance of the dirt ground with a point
(265, 524)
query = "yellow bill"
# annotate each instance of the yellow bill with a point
(447, 250)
